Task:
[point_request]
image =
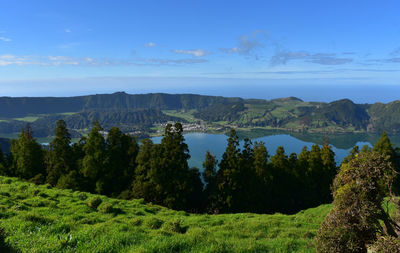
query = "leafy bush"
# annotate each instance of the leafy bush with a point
(357, 215)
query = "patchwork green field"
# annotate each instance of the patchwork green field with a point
(42, 219)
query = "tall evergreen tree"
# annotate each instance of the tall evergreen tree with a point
(228, 175)
(144, 182)
(122, 150)
(28, 156)
(175, 168)
(283, 181)
(384, 147)
(328, 173)
(60, 158)
(93, 164)
(262, 184)
(162, 175)
(210, 178)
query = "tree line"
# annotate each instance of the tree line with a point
(247, 179)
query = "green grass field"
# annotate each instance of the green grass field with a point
(42, 219)
(186, 115)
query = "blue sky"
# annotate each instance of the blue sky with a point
(62, 48)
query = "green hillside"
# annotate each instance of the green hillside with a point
(146, 112)
(42, 219)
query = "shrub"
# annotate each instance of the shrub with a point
(357, 212)
(94, 202)
(386, 244)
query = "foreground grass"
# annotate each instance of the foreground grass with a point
(42, 219)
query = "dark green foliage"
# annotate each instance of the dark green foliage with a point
(162, 175)
(244, 180)
(27, 155)
(384, 147)
(261, 186)
(94, 163)
(60, 160)
(134, 113)
(221, 112)
(386, 117)
(228, 176)
(210, 179)
(19, 107)
(357, 215)
(343, 113)
(128, 120)
(121, 153)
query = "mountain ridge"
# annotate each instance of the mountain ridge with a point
(143, 112)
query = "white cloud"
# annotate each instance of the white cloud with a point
(67, 30)
(60, 60)
(193, 52)
(5, 39)
(150, 44)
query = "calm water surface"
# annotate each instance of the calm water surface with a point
(199, 143)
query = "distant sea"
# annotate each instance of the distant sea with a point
(307, 90)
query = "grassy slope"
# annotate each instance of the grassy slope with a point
(43, 219)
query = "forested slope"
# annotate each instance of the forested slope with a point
(145, 111)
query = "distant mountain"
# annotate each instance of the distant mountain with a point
(142, 112)
(23, 106)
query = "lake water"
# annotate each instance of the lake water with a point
(199, 143)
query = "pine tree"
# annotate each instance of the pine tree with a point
(262, 184)
(384, 147)
(210, 178)
(228, 175)
(162, 175)
(283, 181)
(329, 170)
(28, 157)
(143, 185)
(313, 175)
(93, 164)
(60, 158)
(175, 168)
(122, 150)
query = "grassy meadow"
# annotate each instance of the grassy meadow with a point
(43, 219)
